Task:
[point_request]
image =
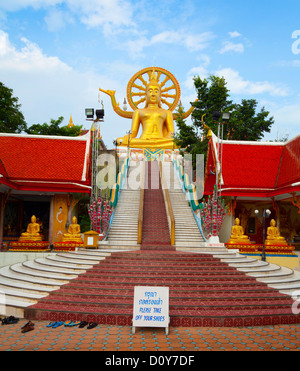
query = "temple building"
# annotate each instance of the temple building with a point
(48, 177)
(256, 176)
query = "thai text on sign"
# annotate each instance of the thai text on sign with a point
(151, 306)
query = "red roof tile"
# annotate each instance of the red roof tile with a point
(255, 167)
(289, 171)
(45, 159)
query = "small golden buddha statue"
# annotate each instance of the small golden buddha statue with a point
(273, 235)
(32, 232)
(237, 233)
(73, 234)
(157, 123)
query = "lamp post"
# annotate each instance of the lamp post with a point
(225, 117)
(266, 213)
(90, 116)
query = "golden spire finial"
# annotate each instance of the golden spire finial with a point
(153, 78)
(71, 123)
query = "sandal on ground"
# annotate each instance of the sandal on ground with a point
(82, 324)
(50, 324)
(92, 325)
(57, 324)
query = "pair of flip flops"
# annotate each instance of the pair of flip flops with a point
(71, 323)
(89, 325)
(55, 324)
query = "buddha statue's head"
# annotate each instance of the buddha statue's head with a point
(272, 223)
(33, 219)
(74, 220)
(237, 221)
(153, 91)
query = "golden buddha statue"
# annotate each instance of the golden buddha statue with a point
(32, 232)
(237, 233)
(73, 234)
(157, 123)
(273, 235)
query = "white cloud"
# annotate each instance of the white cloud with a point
(29, 58)
(192, 42)
(234, 34)
(57, 20)
(237, 85)
(200, 70)
(48, 88)
(9, 6)
(229, 46)
(109, 14)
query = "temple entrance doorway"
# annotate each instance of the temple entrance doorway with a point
(18, 213)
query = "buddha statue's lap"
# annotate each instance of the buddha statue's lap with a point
(32, 232)
(237, 234)
(73, 234)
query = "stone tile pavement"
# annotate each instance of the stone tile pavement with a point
(118, 338)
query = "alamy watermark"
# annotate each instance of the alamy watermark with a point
(296, 43)
(107, 172)
(296, 303)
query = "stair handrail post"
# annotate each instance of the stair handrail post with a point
(141, 207)
(168, 204)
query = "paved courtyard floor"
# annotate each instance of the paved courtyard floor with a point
(119, 338)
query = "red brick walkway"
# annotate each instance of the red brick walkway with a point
(120, 338)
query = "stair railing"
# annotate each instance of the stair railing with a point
(141, 207)
(189, 190)
(168, 205)
(116, 190)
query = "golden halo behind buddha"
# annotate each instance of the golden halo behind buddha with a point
(137, 85)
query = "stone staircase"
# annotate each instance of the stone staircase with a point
(23, 284)
(124, 227)
(107, 277)
(187, 233)
(206, 289)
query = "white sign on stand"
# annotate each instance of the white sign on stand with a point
(151, 307)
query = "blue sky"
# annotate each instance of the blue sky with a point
(55, 54)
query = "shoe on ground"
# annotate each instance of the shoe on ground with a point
(92, 325)
(28, 327)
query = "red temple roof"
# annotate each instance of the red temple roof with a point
(53, 163)
(255, 169)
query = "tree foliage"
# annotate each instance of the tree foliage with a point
(213, 95)
(54, 128)
(11, 118)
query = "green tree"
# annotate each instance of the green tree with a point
(54, 128)
(246, 123)
(186, 137)
(11, 118)
(213, 95)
